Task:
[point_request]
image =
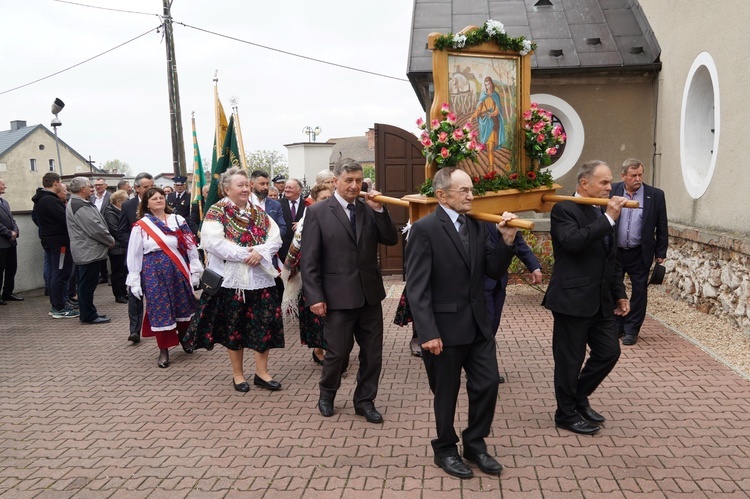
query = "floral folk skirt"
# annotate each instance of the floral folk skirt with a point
(310, 326)
(169, 296)
(238, 319)
(403, 311)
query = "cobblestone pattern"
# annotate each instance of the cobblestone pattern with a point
(83, 413)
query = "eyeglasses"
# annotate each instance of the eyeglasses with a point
(464, 191)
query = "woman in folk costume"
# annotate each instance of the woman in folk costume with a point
(163, 267)
(294, 303)
(240, 241)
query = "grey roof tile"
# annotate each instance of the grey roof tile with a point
(9, 138)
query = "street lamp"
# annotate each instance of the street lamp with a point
(311, 132)
(57, 106)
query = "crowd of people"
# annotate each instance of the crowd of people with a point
(266, 274)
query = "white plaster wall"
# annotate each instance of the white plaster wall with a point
(306, 159)
(684, 30)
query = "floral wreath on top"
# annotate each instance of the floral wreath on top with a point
(491, 31)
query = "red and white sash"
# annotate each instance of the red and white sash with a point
(158, 236)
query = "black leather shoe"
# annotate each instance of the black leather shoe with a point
(98, 320)
(591, 414)
(581, 427)
(325, 407)
(163, 361)
(454, 466)
(486, 463)
(620, 333)
(2, 302)
(135, 338)
(121, 299)
(371, 415)
(268, 385)
(13, 298)
(501, 379)
(241, 387)
(630, 339)
(316, 359)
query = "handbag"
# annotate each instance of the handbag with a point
(211, 282)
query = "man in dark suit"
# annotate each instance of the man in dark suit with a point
(447, 258)
(260, 182)
(100, 199)
(179, 200)
(143, 182)
(8, 255)
(293, 207)
(343, 284)
(642, 233)
(584, 294)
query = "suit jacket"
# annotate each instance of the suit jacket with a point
(181, 207)
(654, 224)
(445, 286)
(7, 225)
(274, 210)
(286, 240)
(127, 219)
(105, 202)
(339, 267)
(585, 275)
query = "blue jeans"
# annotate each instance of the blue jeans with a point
(58, 277)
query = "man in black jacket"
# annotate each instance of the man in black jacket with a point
(49, 215)
(143, 182)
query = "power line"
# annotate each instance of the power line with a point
(80, 63)
(107, 8)
(290, 53)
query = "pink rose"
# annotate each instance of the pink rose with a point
(551, 151)
(562, 138)
(526, 115)
(445, 153)
(548, 115)
(540, 138)
(480, 146)
(442, 136)
(427, 142)
(434, 123)
(474, 134)
(467, 126)
(451, 118)
(420, 123)
(534, 105)
(458, 135)
(445, 108)
(538, 127)
(556, 131)
(471, 145)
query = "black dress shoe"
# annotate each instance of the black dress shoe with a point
(501, 379)
(272, 385)
(486, 463)
(325, 407)
(135, 338)
(371, 415)
(454, 466)
(241, 387)
(98, 320)
(591, 414)
(2, 302)
(13, 298)
(121, 299)
(582, 427)
(630, 339)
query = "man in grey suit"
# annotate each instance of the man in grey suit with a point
(343, 284)
(447, 259)
(642, 234)
(8, 254)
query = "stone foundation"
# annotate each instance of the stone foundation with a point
(710, 271)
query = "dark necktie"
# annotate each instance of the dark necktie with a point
(608, 237)
(352, 218)
(294, 209)
(463, 232)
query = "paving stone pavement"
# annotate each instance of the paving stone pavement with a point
(83, 413)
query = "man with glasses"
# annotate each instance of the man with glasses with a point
(90, 241)
(447, 258)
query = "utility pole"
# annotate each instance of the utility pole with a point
(175, 115)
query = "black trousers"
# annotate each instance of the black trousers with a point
(119, 275)
(341, 329)
(479, 360)
(632, 265)
(570, 336)
(135, 314)
(8, 268)
(88, 277)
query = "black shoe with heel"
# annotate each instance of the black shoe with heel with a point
(316, 359)
(163, 361)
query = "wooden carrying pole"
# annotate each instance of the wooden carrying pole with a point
(554, 198)
(484, 217)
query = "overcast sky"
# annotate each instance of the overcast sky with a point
(117, 104)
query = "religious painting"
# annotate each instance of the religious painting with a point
(484, 91)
